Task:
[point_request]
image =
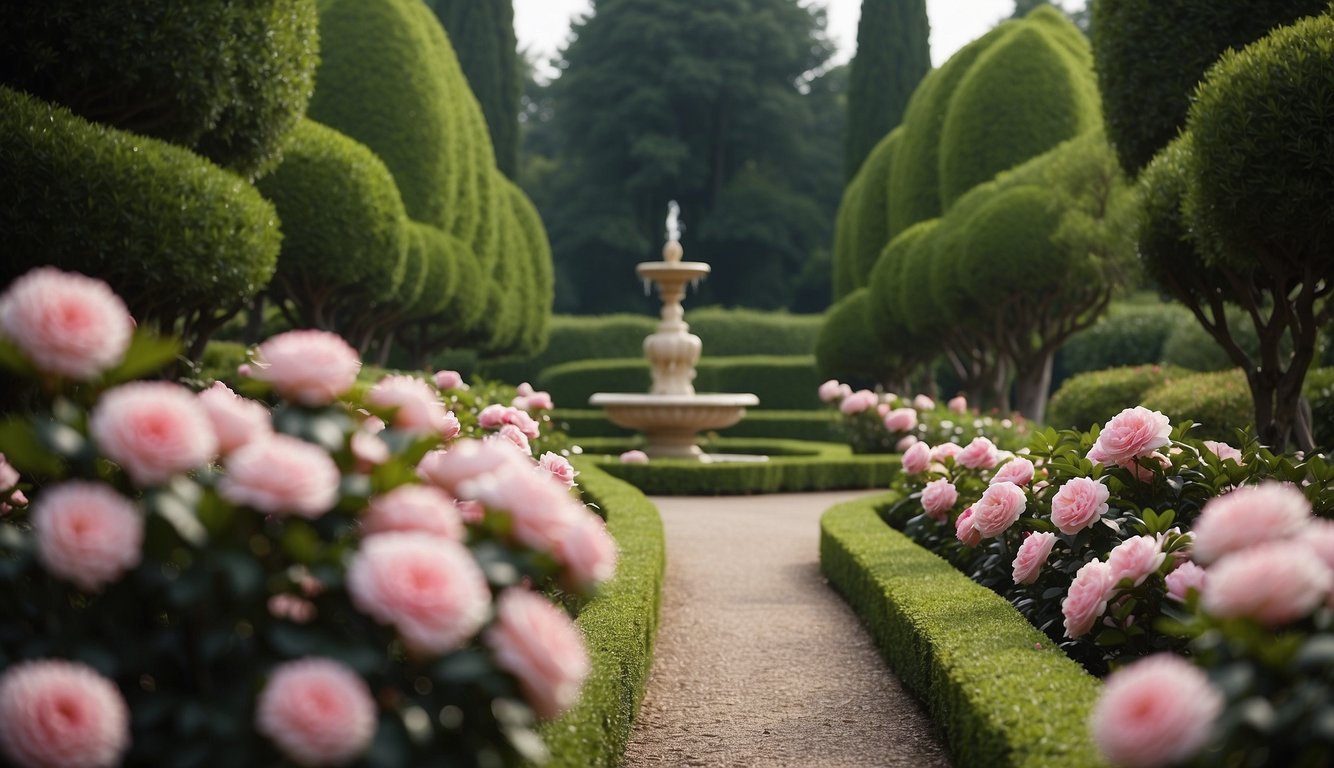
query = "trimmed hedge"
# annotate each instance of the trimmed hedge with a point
(620, 626)
(1090, 399)
(1001, 692)
(1319, 390)
(1219, 403)
(781, 382)
(1129, 334)
(820, 425)
(794, 466)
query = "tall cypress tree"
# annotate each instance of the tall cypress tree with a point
(893, 54)
(482, 32)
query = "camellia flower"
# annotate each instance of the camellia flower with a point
(965, 531)
(153, 430)
(449, 380)
(236, 420)
(308, 367)
(587, 551)
(981, 453)
(1032, 555)
(87, 533)
(946, 451)
(413, 508)
(901, 420)
(1130, 434)
(938, 498)
(537, 643)
(282, 475)
(512, 435)
(634, 457)
(539, 506)
(1000, 506)
(56, 713)
(1134, 559)
(923, 403)
(1157, 711)
(1273, 583)
(958, 405)
(1183, 578)
(917, 458)
(428, 588)
(1078, 504)
(66, 323)
(1248, 516)
(1017, 470)
(418, 408)
(558, 467)
(1223, 451)
(830, 391)
(1087, 598)
(465, 459)
(318, 711)
(861, 400)
(533, 401)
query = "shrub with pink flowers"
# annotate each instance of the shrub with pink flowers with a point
(351, 575)
(879, 422)
(1135, 541)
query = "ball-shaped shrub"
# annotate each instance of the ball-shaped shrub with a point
(868, 227)
(1218, 402)
(1129, 334)
(846, 348)
(1091, 398)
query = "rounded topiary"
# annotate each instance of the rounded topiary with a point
(845, 238)
(175, 235)
(1219, 403)
(846, 348)
(539, 271)
(868, 217)
(344, 228)
(1129, 334)
(1092, 398)
(227, 79)
(1008, 250)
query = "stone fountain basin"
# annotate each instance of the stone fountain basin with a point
(670, 422)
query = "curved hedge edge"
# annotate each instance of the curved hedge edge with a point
(620, 626)
(824, 467)
(1001, 693)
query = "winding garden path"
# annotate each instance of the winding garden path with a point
(758, 661)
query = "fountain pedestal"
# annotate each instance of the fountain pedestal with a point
(671, 414)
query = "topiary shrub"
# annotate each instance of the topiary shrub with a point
(178, 237)
(730, 332)
(868, 217)
(847, 349)
(1092, 398)
(226, 79)
(1129, 334)
(1219, 403)
(345, 234)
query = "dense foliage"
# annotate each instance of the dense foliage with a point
(893, 53)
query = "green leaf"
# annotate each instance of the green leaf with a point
(180, 514)
(13, 359)
(147, 354)
(22, 444)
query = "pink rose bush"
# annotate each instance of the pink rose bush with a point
(1156, 712)
(881, 422)
(298, 557)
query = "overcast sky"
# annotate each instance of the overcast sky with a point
(543, 25)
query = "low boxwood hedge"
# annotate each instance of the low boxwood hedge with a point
(620, 626)
(1219, 403)
(783, 425)
(1092, 398)
(793, 466)
(782, 382)
(1002, 694)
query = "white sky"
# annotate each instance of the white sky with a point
(543, 25)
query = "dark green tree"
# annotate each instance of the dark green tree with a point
(1151, 53)
(893, 53)
(482, 32)
(702, 103)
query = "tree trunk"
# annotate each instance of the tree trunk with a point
(1032, 382)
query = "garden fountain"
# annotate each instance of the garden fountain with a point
(672, 413)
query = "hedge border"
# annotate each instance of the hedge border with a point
(1000, 691)
(823, 425)
(620, 626)
(794, 466)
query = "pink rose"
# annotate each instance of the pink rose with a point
(56, 713)
(917, 458)
(492, 416)
(537, 643)
(1087, 598)
(1130, 434)
(634, 457)
(368, 449)
(422, 508)
(938, 498)
(1134, 559)
(1154, 712)
(428, 588)
(830, 391)
(558, 467)
(236, 420)
(1183, 578)
(946, 451)
(1248, 516)
(417, 407)
(1017, 470)
(282, 475)
(524, 389)
(318, 711)
(308, 367)
(87, 533)
(1273, 583)
(66, 323)
(512, 435)
(979, 454)
(923, 403)
(1032, 555)
(153, 430)
(446, 468)
(449, 380)
(539, 507)
(901, 420)
(297, 610)
(957, 405)
(496, 416)
(861, 400)
(1078, 504)
(965, 531)
(1223, 451)
(537, 401)
(588, 552)
(472, 511)
(1000, 506)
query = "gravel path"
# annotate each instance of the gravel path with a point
(758, 661)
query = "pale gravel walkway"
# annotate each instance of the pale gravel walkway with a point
(758, 661)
